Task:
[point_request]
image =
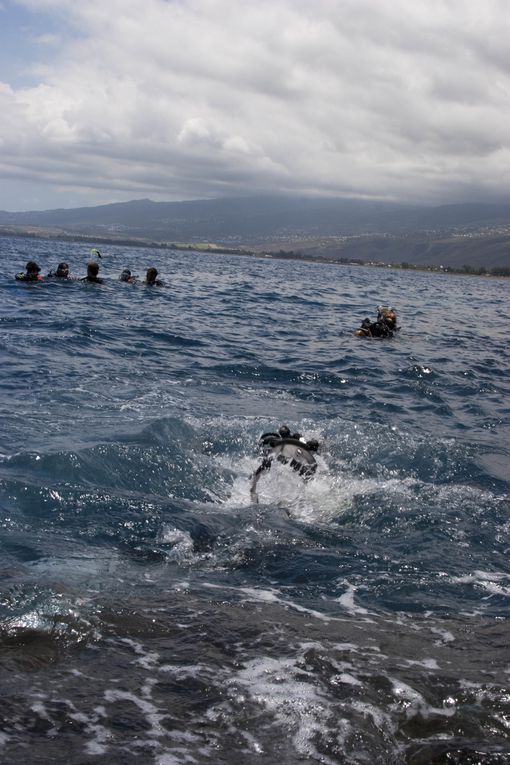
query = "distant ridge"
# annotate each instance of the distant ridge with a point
(312, 226)
(254, 217)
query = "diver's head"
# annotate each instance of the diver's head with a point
(151, 275)
(388, 315)
(32, 267)
(125, 275)
(62, 270)
(92, 268)
(284, 431)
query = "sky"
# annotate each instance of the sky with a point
(111, 100)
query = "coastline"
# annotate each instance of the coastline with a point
(211, 248)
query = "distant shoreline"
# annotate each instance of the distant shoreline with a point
(202, 247)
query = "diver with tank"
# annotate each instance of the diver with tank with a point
(384, 326)
(287, 448)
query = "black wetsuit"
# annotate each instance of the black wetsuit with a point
(379, 328)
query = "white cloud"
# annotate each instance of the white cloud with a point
(189, 98)
(48, 39)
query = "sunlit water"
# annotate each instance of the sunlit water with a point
(150, 613)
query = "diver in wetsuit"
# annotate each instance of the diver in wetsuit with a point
(150, 278)
(61, 272)
(92, 273)
(289, 449)
(127, 276)
(384, 326)
(31, 274)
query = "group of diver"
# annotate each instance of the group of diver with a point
(282, 446)
(385, 324)
(32, 273)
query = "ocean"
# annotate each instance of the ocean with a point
(151, 613)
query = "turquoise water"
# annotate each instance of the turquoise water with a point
(150, 613)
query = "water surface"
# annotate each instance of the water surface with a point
(150, 613)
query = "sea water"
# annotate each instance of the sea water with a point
(150, 612)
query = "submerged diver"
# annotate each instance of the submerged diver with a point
(384, 326)
(289, 449)
(31, 274)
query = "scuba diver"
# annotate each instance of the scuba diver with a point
(127, 276)
(31, 274)
(150, 278)
(62, 272)
(289, 449)
(384, 326)
(92, 273)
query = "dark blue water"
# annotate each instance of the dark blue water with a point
(150, 613)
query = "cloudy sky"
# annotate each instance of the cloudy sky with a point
(111, 100)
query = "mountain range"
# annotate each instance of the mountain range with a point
(477, 235)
